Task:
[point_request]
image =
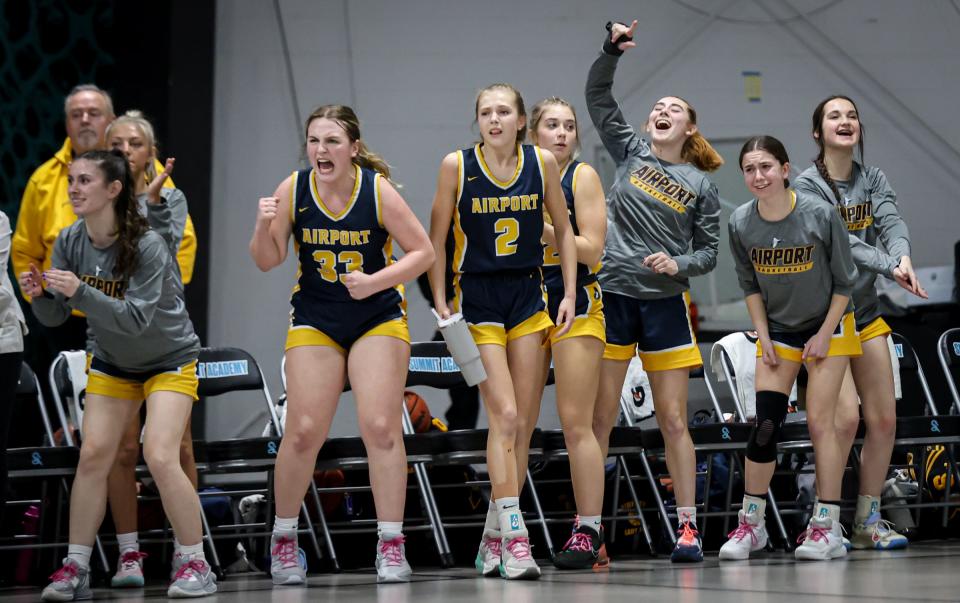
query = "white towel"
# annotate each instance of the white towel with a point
(636, 391)
(742, 350)
(895, 362)
(77, 369)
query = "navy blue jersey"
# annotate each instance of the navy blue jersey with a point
(552, 275)
(498, 225)
(329, 245)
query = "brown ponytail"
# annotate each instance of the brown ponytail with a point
(130, 223)
(701, 153)
(696, 149)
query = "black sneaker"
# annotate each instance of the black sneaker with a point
(584, 550)
(688, 548)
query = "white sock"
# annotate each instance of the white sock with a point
(282, 524)
(388, 530)
(176, 546)
(492, 523)
(687, 514)
(591, 521)
(866, 506)
(510, 517)
(192, 551)
(80, 554)
(754, 506)
(128, 542)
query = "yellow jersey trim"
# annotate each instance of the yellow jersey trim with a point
(378, 199)
(293, 197)
(337, 216)
(459, 176)
(489, 174)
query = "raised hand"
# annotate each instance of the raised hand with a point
(153, 189)
(619, 29)
(267, 210)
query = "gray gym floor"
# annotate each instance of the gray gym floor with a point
(924, 572)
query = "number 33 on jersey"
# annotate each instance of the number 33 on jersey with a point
(331, 244)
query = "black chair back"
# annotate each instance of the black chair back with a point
(224, 370)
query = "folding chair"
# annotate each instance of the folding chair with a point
(46, 461)
(930, 428)
(948, 349)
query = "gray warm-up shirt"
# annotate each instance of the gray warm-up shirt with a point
(138, 324)
(869, 210)
(653, 206)
(797, 264)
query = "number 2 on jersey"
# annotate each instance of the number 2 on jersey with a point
(508, 231)
(327, 263)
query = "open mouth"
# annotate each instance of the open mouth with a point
(845, 132)
(496, 132)
(662, 124)
(324, 166)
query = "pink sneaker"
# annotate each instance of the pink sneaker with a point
(129, 570)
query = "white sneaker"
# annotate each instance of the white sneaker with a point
(877, 533)
(69, 583)
(516, 562)
(287, 566)
(129, 570)
(750, 536)
(391, 562)
(488, 556)
(193, 579)
(822, 540)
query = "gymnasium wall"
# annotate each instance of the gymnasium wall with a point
(411, 70)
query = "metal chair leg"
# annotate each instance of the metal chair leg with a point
(656, 495)
(318, 505)
(636, 502)
(539, 511)
(433, 515)
(616, 502)
(429, 502)
(208, 538)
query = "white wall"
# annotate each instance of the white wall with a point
(411, 69)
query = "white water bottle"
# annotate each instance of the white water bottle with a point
(462, 347)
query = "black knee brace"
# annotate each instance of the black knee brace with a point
(771, 411)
